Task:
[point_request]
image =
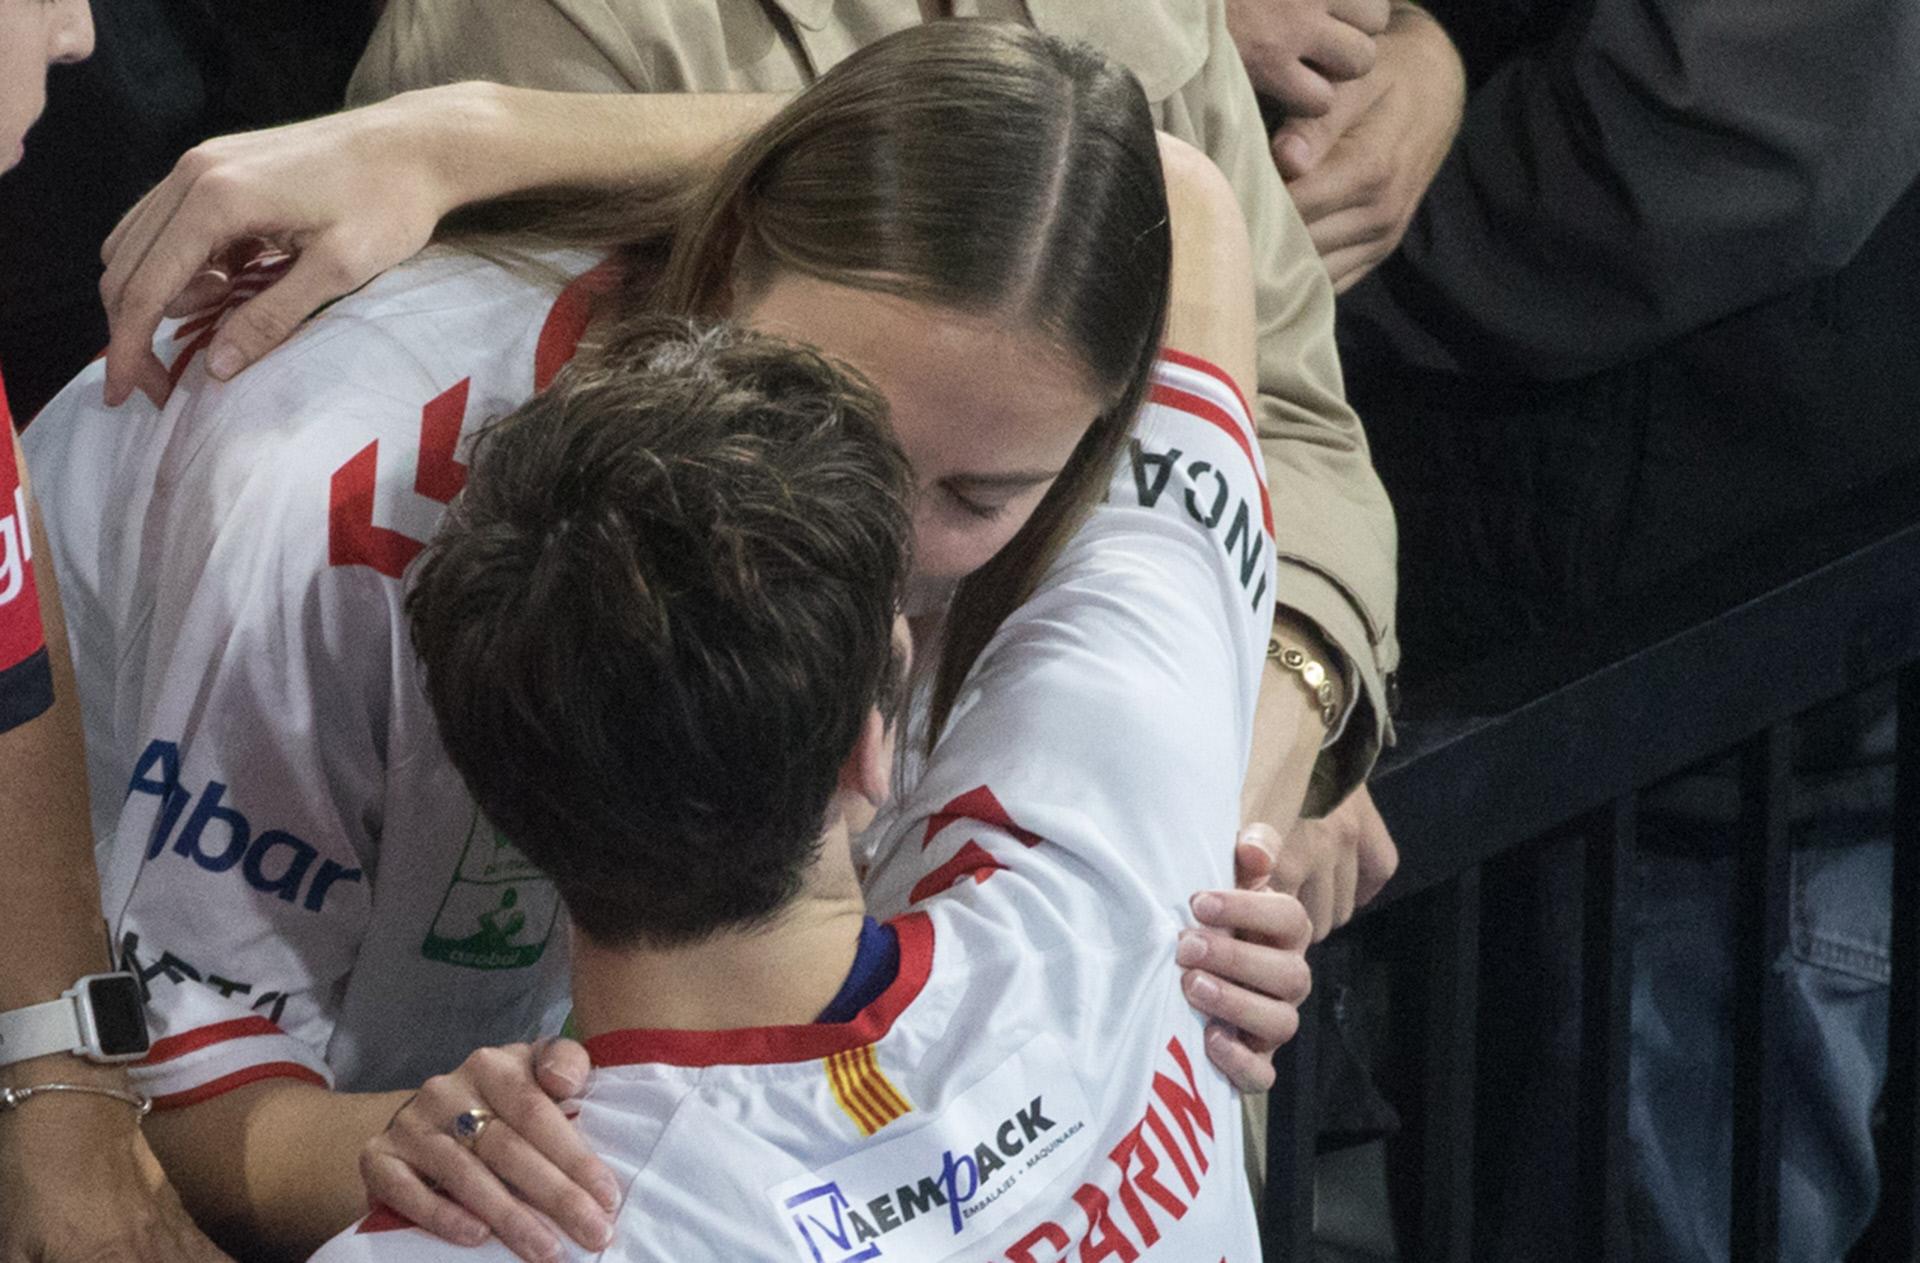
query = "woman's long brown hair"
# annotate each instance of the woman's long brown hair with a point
(980, 166)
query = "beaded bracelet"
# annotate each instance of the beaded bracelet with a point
(1316, 677)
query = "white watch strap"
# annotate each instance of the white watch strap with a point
(40, 1029)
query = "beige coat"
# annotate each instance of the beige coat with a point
(1331, 517)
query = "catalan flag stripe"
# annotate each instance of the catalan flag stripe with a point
(875, 1089)
(889, 1094)
(860, 1084)
(856, 1109)
(864, 1092)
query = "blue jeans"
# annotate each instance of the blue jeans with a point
(1680, 1112)
(1836, 967)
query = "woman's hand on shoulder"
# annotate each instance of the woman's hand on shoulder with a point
(528, 1161)
(347, 196)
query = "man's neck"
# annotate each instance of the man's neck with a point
(782, 974)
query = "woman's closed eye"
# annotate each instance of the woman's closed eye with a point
(985, 508)
(987, 496)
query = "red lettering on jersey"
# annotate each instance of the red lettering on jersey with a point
(977, 804)
(197, 331)
(971, 860)
(1172, 1150)
(383, 1218)
(1185, 1104)
(1052, 1234)
(352, 537)
(1104, 1240)
(1134, 1150)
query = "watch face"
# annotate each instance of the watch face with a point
(119, 1017)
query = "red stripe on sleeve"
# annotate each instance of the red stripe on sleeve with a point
(238, 1079)
(1216, 416)
(206, 1036)
(1211, 369)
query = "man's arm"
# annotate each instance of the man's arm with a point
(1665, 165)
(271, 1170)
(77, 1180)
(1332, 524)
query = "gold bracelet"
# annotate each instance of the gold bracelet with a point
(12, 1098)
(1319, 683)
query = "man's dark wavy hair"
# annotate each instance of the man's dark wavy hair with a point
(655, 620)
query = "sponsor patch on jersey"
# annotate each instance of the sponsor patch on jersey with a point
(945, 1186)
(498, 912)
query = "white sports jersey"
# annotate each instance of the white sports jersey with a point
(288, 859)
(1031, 1087)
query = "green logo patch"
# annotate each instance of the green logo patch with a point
(498, 912)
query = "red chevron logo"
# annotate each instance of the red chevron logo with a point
(971, 860)
(352, 537)
(977, 804)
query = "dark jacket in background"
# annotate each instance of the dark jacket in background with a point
(165, 75)
(1665, 290)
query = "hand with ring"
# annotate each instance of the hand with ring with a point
(487, 1150)
(468, 1124)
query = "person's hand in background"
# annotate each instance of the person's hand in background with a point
(1358, 170)
(1296, 51)
(1336, 865)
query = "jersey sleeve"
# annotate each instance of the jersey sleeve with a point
(26, 679)
(1099, 745)
(241, 688)
(256, 795)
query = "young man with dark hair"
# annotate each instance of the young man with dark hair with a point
(658, 621)
(660, 641)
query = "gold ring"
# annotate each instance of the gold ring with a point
(468, 1124)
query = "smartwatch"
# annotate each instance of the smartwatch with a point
(103, 1018)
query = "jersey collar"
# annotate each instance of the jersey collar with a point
(774, 1045)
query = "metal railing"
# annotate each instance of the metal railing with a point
(1568, 729)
